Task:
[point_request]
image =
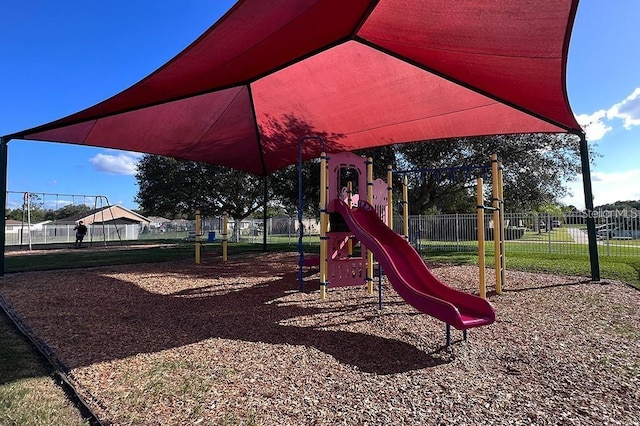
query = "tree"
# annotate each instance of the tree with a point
(177, 188)
(34, 207)
(287, 130)
(534, 168)
(70, 210)
(38, 214)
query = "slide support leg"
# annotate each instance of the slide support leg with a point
(448, 336)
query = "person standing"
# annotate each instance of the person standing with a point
(81, 231)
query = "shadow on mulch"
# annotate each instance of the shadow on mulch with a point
(545, 286)
(124, 320)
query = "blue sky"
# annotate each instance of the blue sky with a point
(60, 57)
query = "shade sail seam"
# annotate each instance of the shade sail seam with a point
(468, 52)
(257, 130)
(93, 125)
(466, 85)
(424, 117)
(364, 18)
(226, 108)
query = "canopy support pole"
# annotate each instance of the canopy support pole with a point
(4, 151)
(588, 204)
(301, 204)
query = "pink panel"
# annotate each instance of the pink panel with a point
(351, 95)
(359, 97)
(255, 37)
(514, 50)
(76, 133)
(216, 128)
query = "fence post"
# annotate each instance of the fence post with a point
(197, 237)
(549, 230)
(225, 235)
(457, 233)
(607, 229)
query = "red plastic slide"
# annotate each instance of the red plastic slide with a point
(409, 275)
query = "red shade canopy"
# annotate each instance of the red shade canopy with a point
(359, 73)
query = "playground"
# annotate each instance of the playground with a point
(237, 343)
(268, 339)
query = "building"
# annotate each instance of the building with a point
(110, 223)
(109, 215)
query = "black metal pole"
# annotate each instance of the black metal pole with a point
(4, 142)
(264, 213)
(448, 335)
(588, 204)
(300, 207)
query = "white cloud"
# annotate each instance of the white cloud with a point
(596, 124)
(607, 188)
(627, 110)
(124, 163)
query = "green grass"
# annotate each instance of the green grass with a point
(557, 234)
(82, 258)
(85, 258)
(623, 268)
(613, 241)
(28, 393)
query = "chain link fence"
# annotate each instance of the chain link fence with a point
(22, 235)
(618, 232)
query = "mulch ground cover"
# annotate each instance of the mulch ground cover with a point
(237, 343)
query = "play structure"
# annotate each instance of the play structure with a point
(496, 208)
(355, 209)
(199, 234)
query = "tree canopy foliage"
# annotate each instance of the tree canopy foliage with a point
(621, 205)
(177, 188)
(535, 168)
(38, 213)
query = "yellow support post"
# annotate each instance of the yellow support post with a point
(370, 201)
(496, 221)
(390, 196)
(225, 235)
(323, 225)
(405, 207)
(480, 233)
(503, 267)
(198, 233)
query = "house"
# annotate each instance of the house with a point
(156, 222)
(116, 215)
(180, 224)
(14, 226)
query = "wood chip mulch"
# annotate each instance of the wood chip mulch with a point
(179, 343)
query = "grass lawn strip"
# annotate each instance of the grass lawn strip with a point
(28, 392)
